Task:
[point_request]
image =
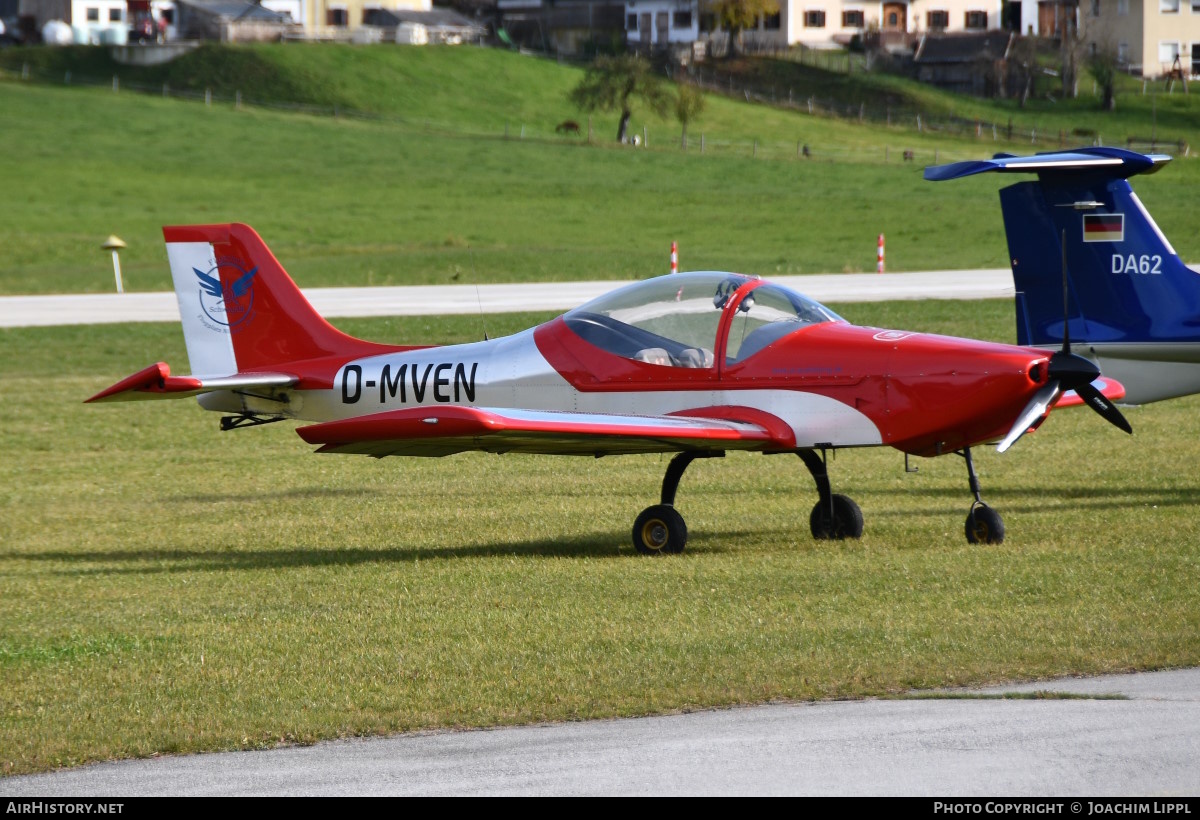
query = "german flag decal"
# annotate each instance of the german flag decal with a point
(1104, 227)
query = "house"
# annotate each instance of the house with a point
(965, 62)
(230, 21)
(92, 22)
(1148, 37)
(567, 26)
(441, 25)
(661, 23)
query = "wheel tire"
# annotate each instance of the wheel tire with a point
(845, 522)
(984, 526)
(659, 530)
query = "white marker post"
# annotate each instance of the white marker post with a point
(114, 244)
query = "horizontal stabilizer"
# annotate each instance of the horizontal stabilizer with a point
(156, 382)
(439, 431)
(1116, 163)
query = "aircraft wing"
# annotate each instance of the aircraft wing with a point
(446, 429)
(156, 382)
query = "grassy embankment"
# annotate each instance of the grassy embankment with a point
(345, 202)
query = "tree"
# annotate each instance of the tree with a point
(614, 83)
(1102, 65)
(689, 104)
(736, 15)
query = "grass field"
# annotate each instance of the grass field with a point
(349, 202)
(168, 588)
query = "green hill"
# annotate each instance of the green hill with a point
(423, 187)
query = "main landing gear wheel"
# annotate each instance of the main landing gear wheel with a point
(659, 530)
(984, 525)
(837, 519)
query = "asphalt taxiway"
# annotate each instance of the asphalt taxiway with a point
(1118, 735)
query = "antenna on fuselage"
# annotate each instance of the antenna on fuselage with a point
(478, 296)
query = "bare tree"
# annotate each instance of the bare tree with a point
(614, 83)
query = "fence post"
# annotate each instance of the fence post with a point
(24, 71)
(645, 137)
(67, 78)
(208, 97)
(810, 104)
(918, 123)
(116, 84)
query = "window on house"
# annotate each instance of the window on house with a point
(814, 19)
(682, 19)
(1195, 6)
(772, 22)
(114, 15)
(1122, 7)
(1123, 53)
(337, 17)
(937, 19)
(1095, 8)
(854, 19)
(93, 15)
(708, 21)
(1167, 53)
(631, 22)
(1168, 6)
(976, 19)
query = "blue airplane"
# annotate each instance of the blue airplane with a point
(1087, 257)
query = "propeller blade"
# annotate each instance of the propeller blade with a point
(1038, 407)
(1095, 400)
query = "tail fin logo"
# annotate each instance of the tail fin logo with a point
(228, 305)
(1104, 227)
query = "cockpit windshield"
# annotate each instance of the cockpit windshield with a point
(674, 320)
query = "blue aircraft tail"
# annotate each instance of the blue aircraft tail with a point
(1125, 283)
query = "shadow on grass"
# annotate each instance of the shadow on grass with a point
(1046, 499)
(610, 544)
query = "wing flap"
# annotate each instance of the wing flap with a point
(156, 382)
(439, 431)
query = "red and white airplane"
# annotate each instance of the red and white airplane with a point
(691, 363)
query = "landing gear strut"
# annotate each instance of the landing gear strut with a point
(835, 517)
(984, 525)
(660, 529)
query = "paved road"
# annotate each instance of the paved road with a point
(1144, 744)
(84, 309)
